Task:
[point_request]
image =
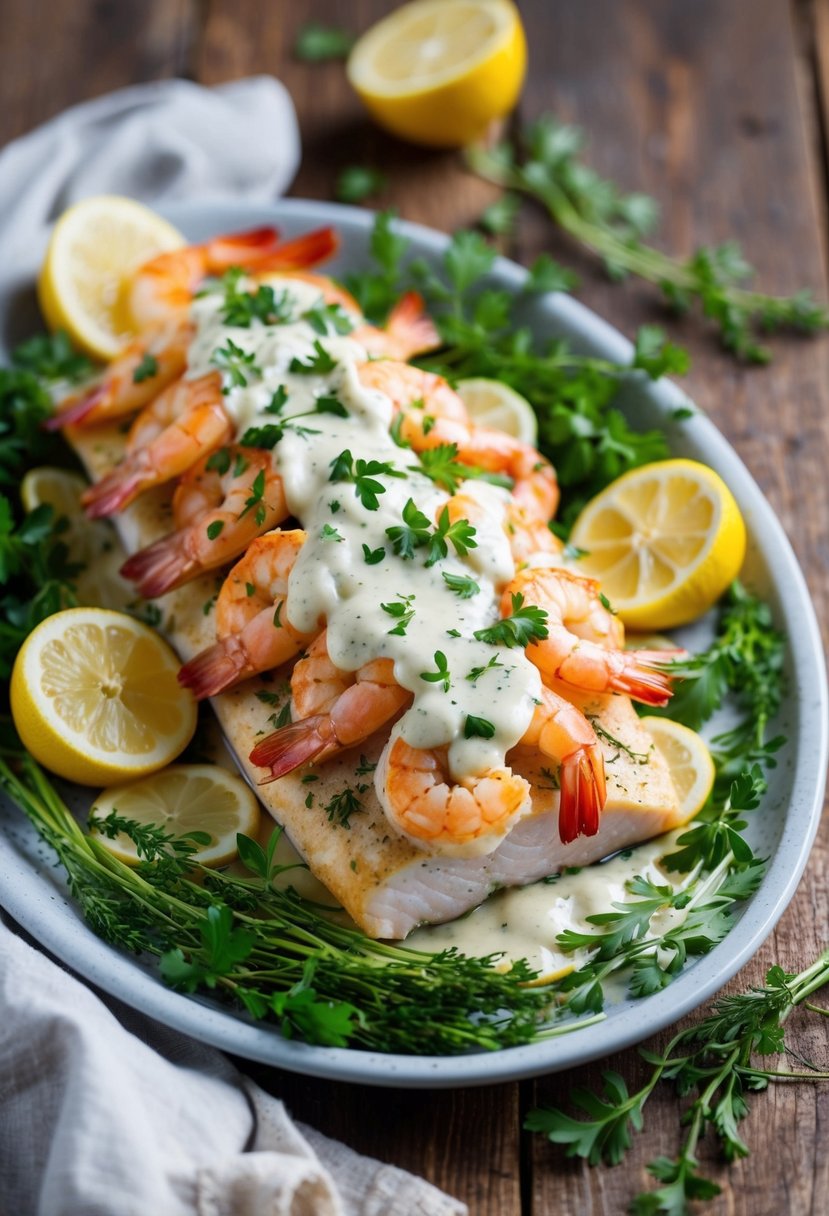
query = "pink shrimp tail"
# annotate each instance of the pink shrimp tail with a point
(293, 745)
(158, 568)
(644, 677)
(410, 325)
(211, 671)
(113, 492)
(77, 411)
(583, 793)
(305, 251)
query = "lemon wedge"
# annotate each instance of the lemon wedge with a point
(180, 799)
(95, 247)
(95, 699)
(689, 761)
(494, 404)
(664, 540)
(91, 544)
(437, 72)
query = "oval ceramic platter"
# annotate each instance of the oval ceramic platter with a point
(32, 888)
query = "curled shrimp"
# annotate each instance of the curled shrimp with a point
(184, 422)
(333, 710)
(471, 816)
(527, 535)
(251, 618)
(220, 505)
(583, 647)
(159, 299)
(434, 415)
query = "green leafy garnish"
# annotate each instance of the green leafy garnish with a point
(363, 474)
(441, 464)
(318, 364)
(412, 533)
(316, 43)
(146, 369)
(462, 585)
(441, 674)
(242, 308)
(236, 363)
(525, 624)
(401, 609)
(477, 728)
(329, 319)
(356, 183)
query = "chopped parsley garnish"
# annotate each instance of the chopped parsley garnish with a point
(328, 405)
(460, 534)
(394, 431)
(462, 585)
(363, 473)
(441, 464)
(267, 436)
(255, 498)
(412, 533)
(329, 533)
(236, 363)
(373, 557)
(278, 401)
(606, 604)
(476, 672)
(214, 530)
(146, 369)
(318, 364)
(441, 675)
(342, 806)
(416, 531)
(402, 612)
(477, 728)
(526, 624)
(219, 461)
(329, 318)
(240, 308)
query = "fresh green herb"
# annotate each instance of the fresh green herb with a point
(342, 806)
(255, 499)
(441, 464)
(548, 169)
(278, 401)
(545, 274)
(356, 183)
(329, 319)
(441, 674)
(394, 431)
(363, 474)
(477, 728)
(476, 672)
(265, 437)
(604, 733)
(329, 533)
(318, 364)
(402, 612)
(572, 553)
(378, 290)
(236, 363)
(373, 557)
(214, 529)
(317, 43)
(499, 217)
(460, 534)
(146, 369)
(242, 308)
(52, 357)
(277, 616)
(219, 461)
(606, 604)
(327, 405)
(462, 585)
(412, 533)
(365, 767)
(525, 624)
(283, 718)
(208, 605)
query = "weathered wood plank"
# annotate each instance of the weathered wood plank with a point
(700, 107)
(78, 50)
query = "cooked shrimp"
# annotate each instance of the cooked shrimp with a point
(220, 505)
(159, 299)
(527, 535)
(333, 710)
(583, 645)
(251, 618)
(186, 421)
(561, 731)
(434, 415)
(423, 802)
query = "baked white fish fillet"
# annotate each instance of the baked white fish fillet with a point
(386, 884)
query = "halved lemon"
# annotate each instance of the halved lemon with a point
(180, 799)
(494, 404)
(95, 248)
(438, 72)
(689, 761)
(92, 544)
(664, 540)
(95, 699)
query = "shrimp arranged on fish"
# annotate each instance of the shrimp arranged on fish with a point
(185, 422)
(426, 805)
(332, 709)
(159, 298)
(434, 415)
(583, 646)
(252, 623)
(220, 506)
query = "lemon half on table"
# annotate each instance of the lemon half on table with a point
(95, 248)
(437, 72)
(95, 699)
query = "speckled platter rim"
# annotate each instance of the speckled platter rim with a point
(31, 889)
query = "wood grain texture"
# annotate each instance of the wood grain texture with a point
(714, 114)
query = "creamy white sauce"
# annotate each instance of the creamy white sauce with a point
(333, 583)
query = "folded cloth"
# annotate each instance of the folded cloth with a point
(103, 1112)
(118, 1116)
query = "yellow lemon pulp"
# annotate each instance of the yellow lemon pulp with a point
(95, 698)
(689, 761)
(180, 799)
(491, 403)
(95, 248)
(664, 540)
(437, 72)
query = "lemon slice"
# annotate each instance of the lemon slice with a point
(95, 699)
(438, 72)
(664, 540)
(95, 248)
(494, 404)
(92, 544)
(180, 799)
(689, 760)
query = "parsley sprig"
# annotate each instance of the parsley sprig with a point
(416, 532)
(363, 475)
(525, 624)
(548, 167)
(441, 464)
(237, 364)
(264, 304)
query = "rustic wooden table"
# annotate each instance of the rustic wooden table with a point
(720, 110)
